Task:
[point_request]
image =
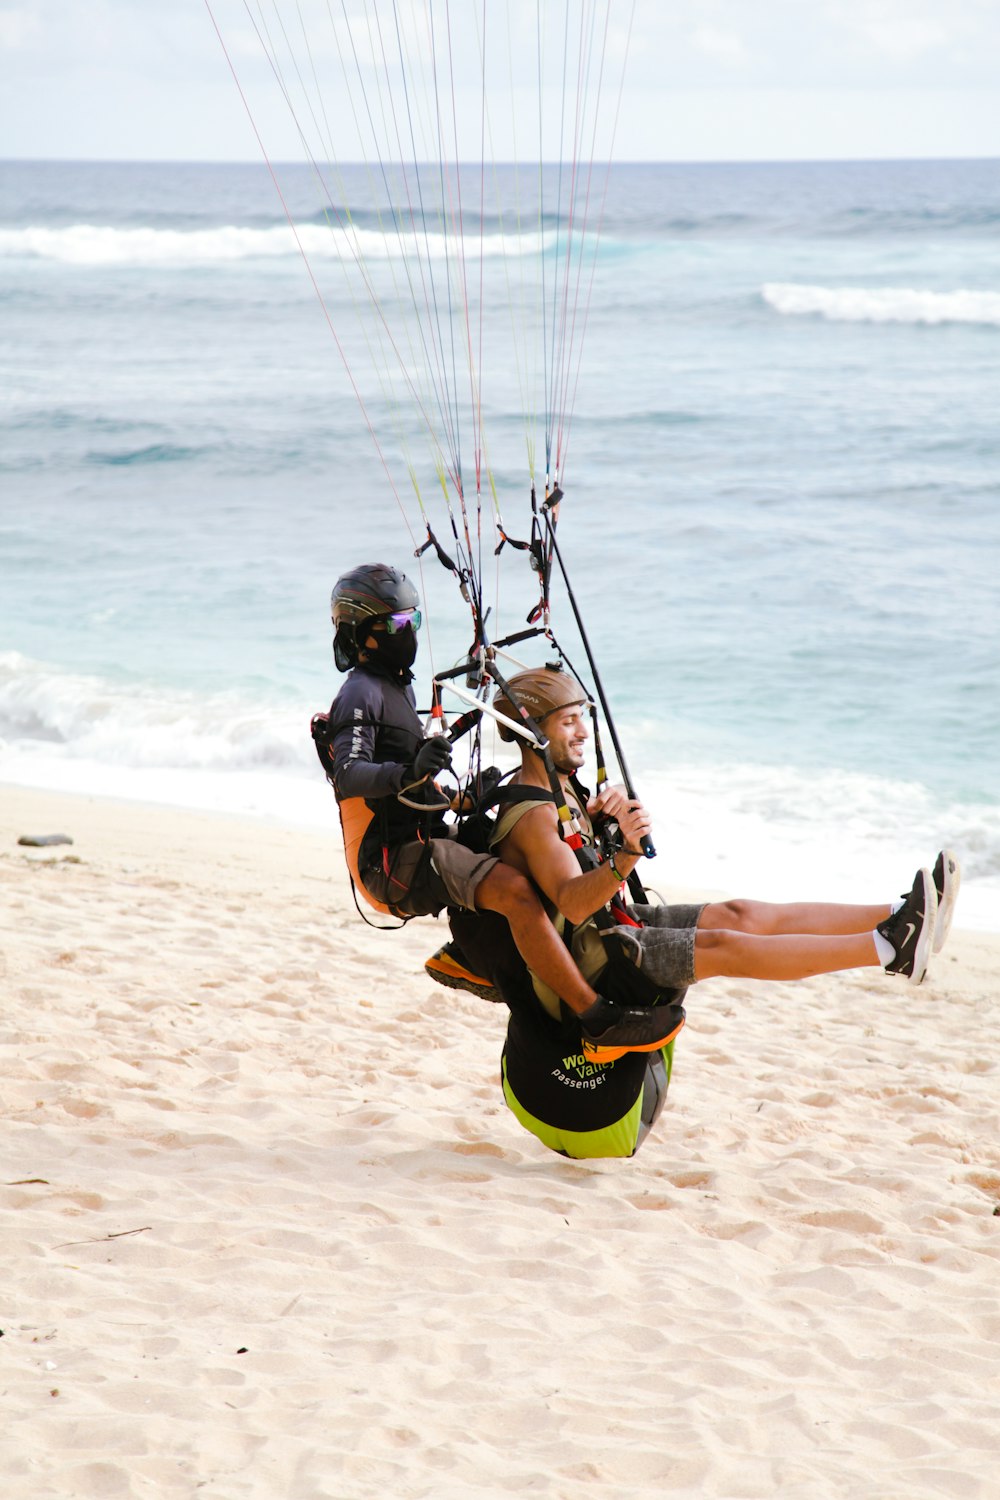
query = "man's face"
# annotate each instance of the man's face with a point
(568, 735)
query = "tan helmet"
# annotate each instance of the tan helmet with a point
(540, 691)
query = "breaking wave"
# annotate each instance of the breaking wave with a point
(139, 725)
(104, 245)
(775, 832)
(883, 304)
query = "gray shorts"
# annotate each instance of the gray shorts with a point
(424, 877)
(666, 942)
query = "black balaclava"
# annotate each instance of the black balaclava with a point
(394, 653)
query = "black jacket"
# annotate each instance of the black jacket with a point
(374, 735)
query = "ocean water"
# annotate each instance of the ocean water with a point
(781, 462)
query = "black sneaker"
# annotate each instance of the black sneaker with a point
(449, 966)
(609, 1030)
(911, 930)
(947, 879)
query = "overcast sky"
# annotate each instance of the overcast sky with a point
(722, 80)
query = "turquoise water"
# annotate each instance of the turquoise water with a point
(782, 516)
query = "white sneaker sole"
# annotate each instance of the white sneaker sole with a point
(925, 942)
(946, 901)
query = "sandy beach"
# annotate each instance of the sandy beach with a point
(271, 1234)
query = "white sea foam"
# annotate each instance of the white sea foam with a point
(103, 245)
(777, 833)
(65, 716)
(883, 304)
(771, 832)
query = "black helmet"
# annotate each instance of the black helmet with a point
(362, 594)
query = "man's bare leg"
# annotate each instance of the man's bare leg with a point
(769, 918)
(741, 955)
(900, 943)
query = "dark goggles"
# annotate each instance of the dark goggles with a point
(394, 623)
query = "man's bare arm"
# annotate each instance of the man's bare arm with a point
(534, 847)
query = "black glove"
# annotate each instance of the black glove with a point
(434, 754)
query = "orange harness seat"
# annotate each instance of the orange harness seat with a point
(355, 819)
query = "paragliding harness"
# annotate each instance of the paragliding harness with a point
(356, 820)
(622, 980)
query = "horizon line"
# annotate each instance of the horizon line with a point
(474, 164)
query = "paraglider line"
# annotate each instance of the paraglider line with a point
(322, 302)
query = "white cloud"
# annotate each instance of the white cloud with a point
(943, 41)
(780, 44)
(901, 32)
(18, 29)
(904, 38)
(721, 45)
(130, 78)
